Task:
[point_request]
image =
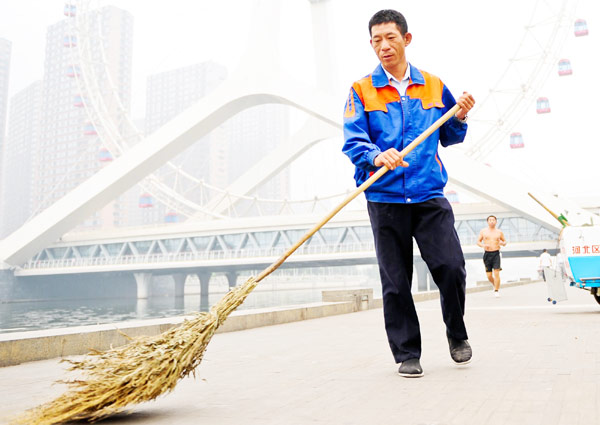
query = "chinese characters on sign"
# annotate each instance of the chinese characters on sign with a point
(586, 249)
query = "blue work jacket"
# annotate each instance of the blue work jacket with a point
(377, 118)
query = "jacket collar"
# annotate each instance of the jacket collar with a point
(379, 77)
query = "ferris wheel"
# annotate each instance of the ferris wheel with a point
(183, 194)
(187, 196)
(519, 86)
(109, 118)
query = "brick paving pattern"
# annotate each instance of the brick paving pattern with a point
(534, 363)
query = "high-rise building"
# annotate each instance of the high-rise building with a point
(69, 149)
(5, 50)
(168, 94)
(172, 92)
(21, 141)
(225, 153)
(253, 134)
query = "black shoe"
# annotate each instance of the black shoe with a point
(460, 350)
(410, 368)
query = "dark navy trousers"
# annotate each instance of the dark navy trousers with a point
(431, 223)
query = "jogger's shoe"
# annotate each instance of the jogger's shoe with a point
(410, 368)
(460, 350)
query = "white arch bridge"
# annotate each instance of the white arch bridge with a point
(240, 247)
(227, 245)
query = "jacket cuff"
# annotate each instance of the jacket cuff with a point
(458, 122)
(372, 155)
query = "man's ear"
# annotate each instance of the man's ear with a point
(407, 38)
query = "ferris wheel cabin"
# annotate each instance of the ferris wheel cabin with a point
(89, 129)
(564, 67)
(171, 217)
(452, 197)
(516, 141)
(104, 155)
(70, 10)
(78, 101)
(146, 201)
(543, 105)
(581, 28)
(73, 71)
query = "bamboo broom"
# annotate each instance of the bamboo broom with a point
(150, 366)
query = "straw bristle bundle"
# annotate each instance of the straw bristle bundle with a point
(139, 371)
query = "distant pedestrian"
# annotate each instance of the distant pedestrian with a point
(560, 265)
(545, 261)
(491, 239)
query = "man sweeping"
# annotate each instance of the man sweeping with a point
(384, 112)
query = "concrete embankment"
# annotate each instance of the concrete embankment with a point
(20, 347)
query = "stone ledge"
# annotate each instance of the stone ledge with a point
(361, 298)
(21, 347)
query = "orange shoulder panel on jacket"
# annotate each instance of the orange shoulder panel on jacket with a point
(430, 93)
(375, 99)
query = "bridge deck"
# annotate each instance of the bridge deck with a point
(534, 363)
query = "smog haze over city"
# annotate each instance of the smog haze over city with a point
(84, 85)
(469, 47)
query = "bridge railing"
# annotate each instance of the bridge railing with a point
(512, 238)
(270, 253)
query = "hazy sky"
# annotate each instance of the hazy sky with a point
(468, 44)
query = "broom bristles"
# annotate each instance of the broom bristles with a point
(149, 367)
(139, 371)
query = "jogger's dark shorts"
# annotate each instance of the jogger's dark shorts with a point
(491, 260)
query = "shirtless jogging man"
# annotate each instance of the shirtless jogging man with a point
(490, 239)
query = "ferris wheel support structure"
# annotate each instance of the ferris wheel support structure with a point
(516, 90)
(118, 133)
(142, 159)
(108, 114)
(498, 113)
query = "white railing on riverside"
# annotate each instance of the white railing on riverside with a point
(512, 238)
(269, 253)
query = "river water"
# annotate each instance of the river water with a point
(26, 316)
(273, 292)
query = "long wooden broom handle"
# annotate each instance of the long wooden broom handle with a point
(356, 192)
(552, 213)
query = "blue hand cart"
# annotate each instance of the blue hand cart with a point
(580, 246)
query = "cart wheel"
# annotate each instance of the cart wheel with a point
(596, 295)
(553, 301)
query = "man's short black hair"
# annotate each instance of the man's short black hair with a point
(389, 15)
(491, 216)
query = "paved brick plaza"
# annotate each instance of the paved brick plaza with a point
(534, 363)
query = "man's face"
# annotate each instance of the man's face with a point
(492, 222)
(389, 45)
